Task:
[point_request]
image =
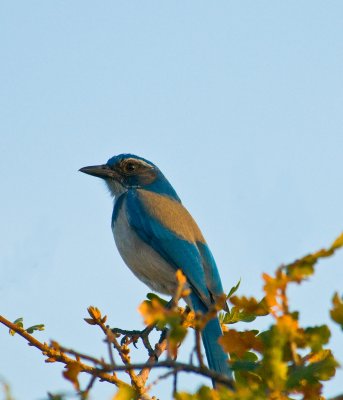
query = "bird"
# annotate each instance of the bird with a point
(156, 235)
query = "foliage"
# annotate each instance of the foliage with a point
(20, 323)
(285, 361)
(337, 310)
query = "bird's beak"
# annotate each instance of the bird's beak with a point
(100, 171)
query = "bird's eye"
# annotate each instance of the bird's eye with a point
(130, 167)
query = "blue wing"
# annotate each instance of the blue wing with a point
(156, 226)
(213, 280)
(191, 256)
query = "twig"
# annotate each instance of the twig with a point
(160, 347)
(175, 383)
(159, 378)
(54, 355)
(181, 367)
(123, 351)
(110, 352)
(77, 354)
(198, 347)
(135, 335)
(85, 393)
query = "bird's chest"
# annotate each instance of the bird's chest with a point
(141, 258)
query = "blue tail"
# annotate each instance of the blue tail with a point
(216, 357)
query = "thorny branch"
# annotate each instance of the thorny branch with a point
(304, 372)
(76, 362)
(53, 354)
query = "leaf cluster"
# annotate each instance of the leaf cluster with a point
(284, 361)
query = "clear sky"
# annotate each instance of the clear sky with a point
(240, 105)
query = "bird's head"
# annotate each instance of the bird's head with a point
(128, 171)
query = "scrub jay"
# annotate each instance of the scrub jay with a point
(155, 235)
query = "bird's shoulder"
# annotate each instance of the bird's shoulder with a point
(165, 211)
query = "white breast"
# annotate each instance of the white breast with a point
(142, 259)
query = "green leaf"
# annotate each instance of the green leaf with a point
(304, 267)
(177, 333)
(39, 327)
(250, 356)
(234, 289)
(321, 370)
(317, 336)
(152, 296)
(235, 315)
(244, 366)
(301, 270)
(18, 322)
(232, 316)
(244, 317)
(221, 317)
(274, 368)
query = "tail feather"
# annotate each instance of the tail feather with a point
(216, 357)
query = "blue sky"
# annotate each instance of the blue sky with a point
(239, 104)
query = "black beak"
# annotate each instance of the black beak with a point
(100, 171)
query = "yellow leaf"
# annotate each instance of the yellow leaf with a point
(125, 392)
(94, 312)
(338, 242)
(55, 345)
(152, 311)
(287, 326)
(274, 289)
(90, 321)
(240, 342)
(319, 356)
(250, 305)
(189, 319)
(181, 278)
(72, 372)
(337, 311)
(50, 360)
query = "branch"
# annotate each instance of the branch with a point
(123, 350)
(56, 353)
(53, 355)
(180, 367)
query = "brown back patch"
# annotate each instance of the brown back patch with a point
(172, 215)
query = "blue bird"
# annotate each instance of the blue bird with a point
(155, 235)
